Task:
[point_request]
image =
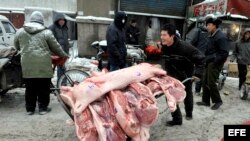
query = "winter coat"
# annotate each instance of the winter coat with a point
(116, 47)
(36, 44)
(218, 48)
(242, 51)
(180, 59)
(198, 37)
(61, 33)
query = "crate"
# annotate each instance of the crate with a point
(233, 70)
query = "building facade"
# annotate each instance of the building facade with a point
(94, 28)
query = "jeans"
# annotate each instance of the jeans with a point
(60, 71)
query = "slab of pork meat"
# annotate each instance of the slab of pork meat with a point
(105, 121)
(173, 89)
(146, 108)
(125, 115)
(174, 86)
(85, 127)
(84, 124)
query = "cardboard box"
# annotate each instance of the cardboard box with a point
(233, 70)
(248, 75)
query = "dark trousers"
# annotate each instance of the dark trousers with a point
(242, 74)
(37, 89)
(210, 89)
(117, 67)
(188, 102)
(198, 86)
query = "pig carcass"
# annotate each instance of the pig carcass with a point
(97, 86)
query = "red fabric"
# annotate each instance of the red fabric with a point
(152, 50)
(58, 61)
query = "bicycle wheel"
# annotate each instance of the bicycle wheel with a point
(66, 108)
(244, 91)
(72, 77)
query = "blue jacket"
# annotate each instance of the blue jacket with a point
(218, 48)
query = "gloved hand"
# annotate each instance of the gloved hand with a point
(195, 79)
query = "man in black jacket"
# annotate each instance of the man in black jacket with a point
(116, 39)
(180, 58)
(216, 55)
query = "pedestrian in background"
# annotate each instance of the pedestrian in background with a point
(180, 58)
(60, 30)
(36, 43)
(198, 37)
(242, 54)
(149, 35)
(116, 47)
(152, 47)
(132, 33)
(216, 55)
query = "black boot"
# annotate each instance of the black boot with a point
(216, 106)
(189, 116)
(173, 123)
(203, 104)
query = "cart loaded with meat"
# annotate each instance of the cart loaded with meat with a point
(112, 106)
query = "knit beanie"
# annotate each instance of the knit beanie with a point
(37, 16)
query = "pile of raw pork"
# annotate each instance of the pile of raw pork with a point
(111, 106)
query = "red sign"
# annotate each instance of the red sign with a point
(240, 7)
(211, 7)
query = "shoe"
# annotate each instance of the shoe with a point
(216, 106)
(43, 112)
(189, 117)
(29, 113)
(173, 123)
(197, 93)
(202, 104)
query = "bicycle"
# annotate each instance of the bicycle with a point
(70, 77)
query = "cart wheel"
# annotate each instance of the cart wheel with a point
(72, 77)
(221, 81)
(244, 91)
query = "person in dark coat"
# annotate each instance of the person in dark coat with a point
(180, 58)
(216, 55)
(198, 37)
(242, 54)
(60, 30)
(115, 36)
(132, 33)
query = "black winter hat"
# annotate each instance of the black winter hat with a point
(213, 20)
(120, 19)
